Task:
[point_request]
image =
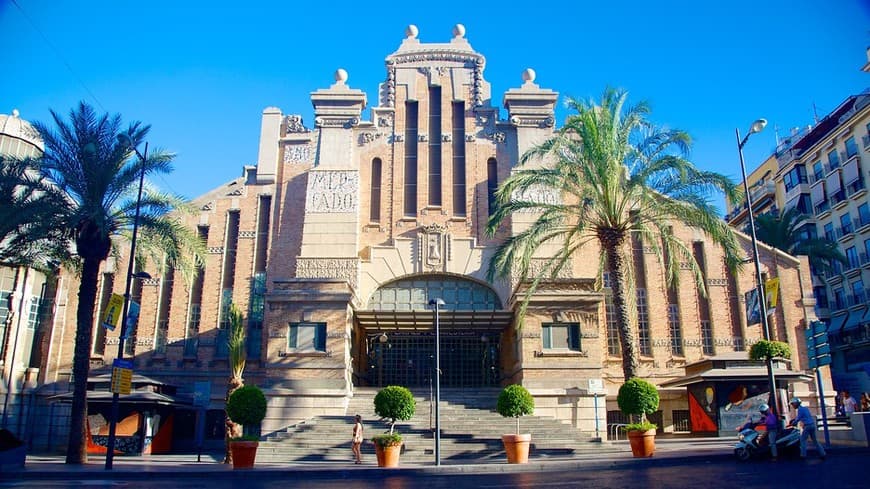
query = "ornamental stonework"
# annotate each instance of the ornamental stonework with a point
(295, 153)
(537, 194)
(340, 268)
(294, 124)
(332, 191)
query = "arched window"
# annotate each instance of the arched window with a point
(413, 294)
(491, 183)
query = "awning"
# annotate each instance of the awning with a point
(425, 320)
(135, 380)
(738, 374)
(855, 319)
(134, 397)
(837, 323)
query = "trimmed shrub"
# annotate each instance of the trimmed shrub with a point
(247, 406)
(765, 349)
(515, 401)
(638, 397)
(395, 403)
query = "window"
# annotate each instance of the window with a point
(561, 336)
(839, 299)
(829, 232)
(818, 171)
(833, 159)
(707, 338)
(435, 146)
(866, 250)
(846, 224)
(307, 337)
(613, 346)
(458, 158)
(411, 112)
(676, 330)
(375, 204)
(795, 177)
(807, 231)
(852, 257)
(805, 204)
(863, 214)
(491, 183)
(821, 295)
(857, 293)
(643, 334)
(681, 420)
(851, 147)
(255, 315)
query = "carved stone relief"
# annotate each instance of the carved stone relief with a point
(332, 191)
(297, 153)
(294, 124)
(538, 194)
(432, 242)
(340, 268)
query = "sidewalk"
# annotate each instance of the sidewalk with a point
(668, 452)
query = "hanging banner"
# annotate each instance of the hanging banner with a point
(132, 319)
(753, 311)
(771, 293)
(113, 311)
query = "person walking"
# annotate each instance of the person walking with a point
(865, 402)
(809, 427)
(356, 441)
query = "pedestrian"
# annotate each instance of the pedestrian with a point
(771, 424)
(356, 441)
(809, 427)
(865, 402)
(849, 404)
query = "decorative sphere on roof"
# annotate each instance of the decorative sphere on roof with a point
(340, 75)
(458, 30)
(15, 127)
(412, 31)
(529, 75)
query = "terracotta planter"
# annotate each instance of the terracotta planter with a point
(643, 443)
(244, 453)
(388, 456)
(517, 448)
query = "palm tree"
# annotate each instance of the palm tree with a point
(97, 174)
(618, 177)
(784, 231)
(27, 237)
(238, 358)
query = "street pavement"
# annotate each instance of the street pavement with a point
(677, 463)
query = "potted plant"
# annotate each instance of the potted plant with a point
(247, 407)
(638, 398)
(395, 403)
(764, 349)
(515, 401)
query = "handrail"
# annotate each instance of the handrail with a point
(613, 431)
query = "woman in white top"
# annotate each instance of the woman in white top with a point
(356, 441)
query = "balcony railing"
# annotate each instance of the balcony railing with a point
(854, 262)
(838, 197)
(845, 230)
(860, 220)
(866, 141)
(857, 299)
(855, 186)
(822, 206)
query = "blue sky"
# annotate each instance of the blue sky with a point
(201, 72)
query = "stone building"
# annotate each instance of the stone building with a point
(336, 241)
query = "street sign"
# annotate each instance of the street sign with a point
(113, 311)
(596, 386)
(818, 348)
(122, 376)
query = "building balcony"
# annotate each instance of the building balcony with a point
(845, 233)
(859, 299)
(838, 200)
(856, 189)
(861, 222)
(822, 207)
(864, 259)
(866, 141)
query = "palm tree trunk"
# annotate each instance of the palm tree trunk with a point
(76, 452)
(627, 343)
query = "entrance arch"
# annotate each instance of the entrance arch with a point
(395, 334)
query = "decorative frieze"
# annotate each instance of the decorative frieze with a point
(717, 282)
(340, 268)
(423, 138)
(208, 206)
(498, 137)
(385, 120)
(151, 282)
(397, 138)
(297, 153)
(247, 234)
(343, 122)
(332, 191)
(540, 122)
(368, 137)
(469, 138)
(446, 137)
(215, 250)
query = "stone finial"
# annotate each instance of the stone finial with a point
(411, 31)
(529, 75)
(15, 112)
(459, 30)
(341, 76)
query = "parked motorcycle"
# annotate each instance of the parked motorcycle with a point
(752, 446)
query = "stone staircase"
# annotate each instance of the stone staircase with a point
(470, 433)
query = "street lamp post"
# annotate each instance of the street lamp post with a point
(113, 421)
(757, 126)
(437, 303)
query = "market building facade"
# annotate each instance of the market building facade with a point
(337, 240)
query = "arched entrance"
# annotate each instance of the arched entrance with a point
(395, 335)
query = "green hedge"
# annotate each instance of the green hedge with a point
(765, 349)
(247, 406)
(515, 401)
(638, 397)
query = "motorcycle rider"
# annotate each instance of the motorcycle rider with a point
(809, 431)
